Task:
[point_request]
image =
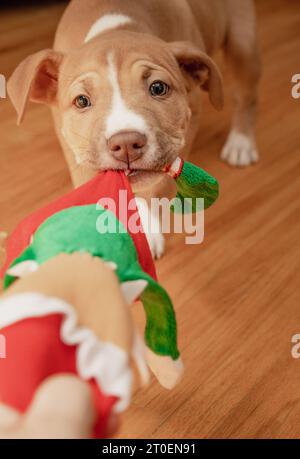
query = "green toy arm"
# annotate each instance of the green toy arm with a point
(161, 328)
(192, 182)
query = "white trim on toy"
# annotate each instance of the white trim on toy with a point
(94, 358)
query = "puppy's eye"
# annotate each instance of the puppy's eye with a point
(82, 101)
(159, 88)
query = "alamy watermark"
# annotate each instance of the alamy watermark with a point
(2, 347)
(162, 216)
(2, 96)
(296, 86)
(295, 351)
(2, 87)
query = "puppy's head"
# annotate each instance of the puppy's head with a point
(122, 98)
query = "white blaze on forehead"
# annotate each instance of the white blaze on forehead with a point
(120, 117)
(106, 22)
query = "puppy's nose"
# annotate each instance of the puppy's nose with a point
(127, 146)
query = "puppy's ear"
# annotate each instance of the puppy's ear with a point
(199, 66)
(36, 79)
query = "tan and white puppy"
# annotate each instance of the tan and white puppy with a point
(124, 79)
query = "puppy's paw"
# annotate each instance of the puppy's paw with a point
(239, 150)
(156, 242)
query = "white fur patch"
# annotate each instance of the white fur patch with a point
(106, 22)
(152, 228)
(120, 117)
(239, 150)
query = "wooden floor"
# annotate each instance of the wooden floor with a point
(237, 295)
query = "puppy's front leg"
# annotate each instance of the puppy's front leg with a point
(243, 55)
(150, 218)
(152, 228)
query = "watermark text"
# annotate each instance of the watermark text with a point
(296, 86)
(2, 347)
(160, 216)
(2, 87)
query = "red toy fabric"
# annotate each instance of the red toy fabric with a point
(36, 352)
(104, 185)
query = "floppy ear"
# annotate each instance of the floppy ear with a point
(201, 68)
(36, 79)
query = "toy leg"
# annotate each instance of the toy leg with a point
(243, 55)
(161, 336)
(168, 372)
(62, 408)
(161, 331)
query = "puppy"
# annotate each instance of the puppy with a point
(124, 81)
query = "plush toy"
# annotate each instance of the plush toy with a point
(70, 343)
(192, 183)
(72, 224)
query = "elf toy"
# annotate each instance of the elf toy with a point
(70, 347)
(74, 224)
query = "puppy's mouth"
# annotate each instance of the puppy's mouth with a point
(132, 173)
(146, 175)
